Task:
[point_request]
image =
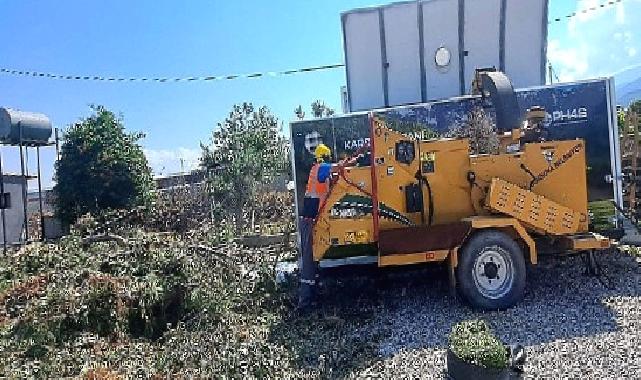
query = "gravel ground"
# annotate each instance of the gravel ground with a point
(572, 325)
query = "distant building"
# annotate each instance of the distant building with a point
(176, 180)
(33, 202)
(12, 206)
(164, 182)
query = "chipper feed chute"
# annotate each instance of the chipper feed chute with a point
(535, 211)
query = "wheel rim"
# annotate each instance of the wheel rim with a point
(493, 272)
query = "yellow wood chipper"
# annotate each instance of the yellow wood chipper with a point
(487, 216)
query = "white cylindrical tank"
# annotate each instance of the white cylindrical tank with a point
(28, 127)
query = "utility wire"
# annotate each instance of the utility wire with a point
(37, 74)
(586, 10)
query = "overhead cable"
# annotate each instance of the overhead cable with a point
(103, 78)
(37, 74)
(584, 11)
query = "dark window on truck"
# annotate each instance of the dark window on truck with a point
(5, 201)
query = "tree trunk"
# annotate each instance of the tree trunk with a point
(238, 219)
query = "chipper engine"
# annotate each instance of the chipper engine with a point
(416, 200)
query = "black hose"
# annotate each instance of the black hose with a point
(429, 197)
(528, 171)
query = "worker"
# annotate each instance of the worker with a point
(318, 185)
(318, 182)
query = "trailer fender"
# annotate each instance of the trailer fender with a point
(509, 225)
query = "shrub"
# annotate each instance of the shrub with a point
(474, 342)
(34, 338)
(100, 310)
(101, 167)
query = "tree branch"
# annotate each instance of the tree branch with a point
(102, 238)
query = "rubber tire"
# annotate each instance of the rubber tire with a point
(468, 255)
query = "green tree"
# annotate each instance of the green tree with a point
(246, 150)
(101, 167)
(635, 106)
(620, 118)
(300, 114)
(319, 109)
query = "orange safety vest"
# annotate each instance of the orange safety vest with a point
(315, 188)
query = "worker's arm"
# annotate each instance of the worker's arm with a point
(334, 169)
(324, 172)
(351, 162)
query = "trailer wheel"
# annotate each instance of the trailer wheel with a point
(491, 271)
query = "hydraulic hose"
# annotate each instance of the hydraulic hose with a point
(423, 179)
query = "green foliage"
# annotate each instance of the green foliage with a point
(632, 250)
(36, 338)
(319, 109)
(621, 119)
(246, 150)
(602, 214)
(152, 303)
(474, 342)
(101, 167)
(140, 292)
(161, 305)
(161, 293)
(635, 106)
(99, 315)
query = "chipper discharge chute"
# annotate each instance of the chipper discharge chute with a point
(486, 215)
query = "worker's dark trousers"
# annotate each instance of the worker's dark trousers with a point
(306, 265)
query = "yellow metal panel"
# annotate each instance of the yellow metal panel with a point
(558, 166)
(361, 176)
(341, 232)
(593, 241)
(449, 182)
(393, 176)
(330, 229)
(354, 236)
(454, 257)
(534, 211)
(413, 258)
